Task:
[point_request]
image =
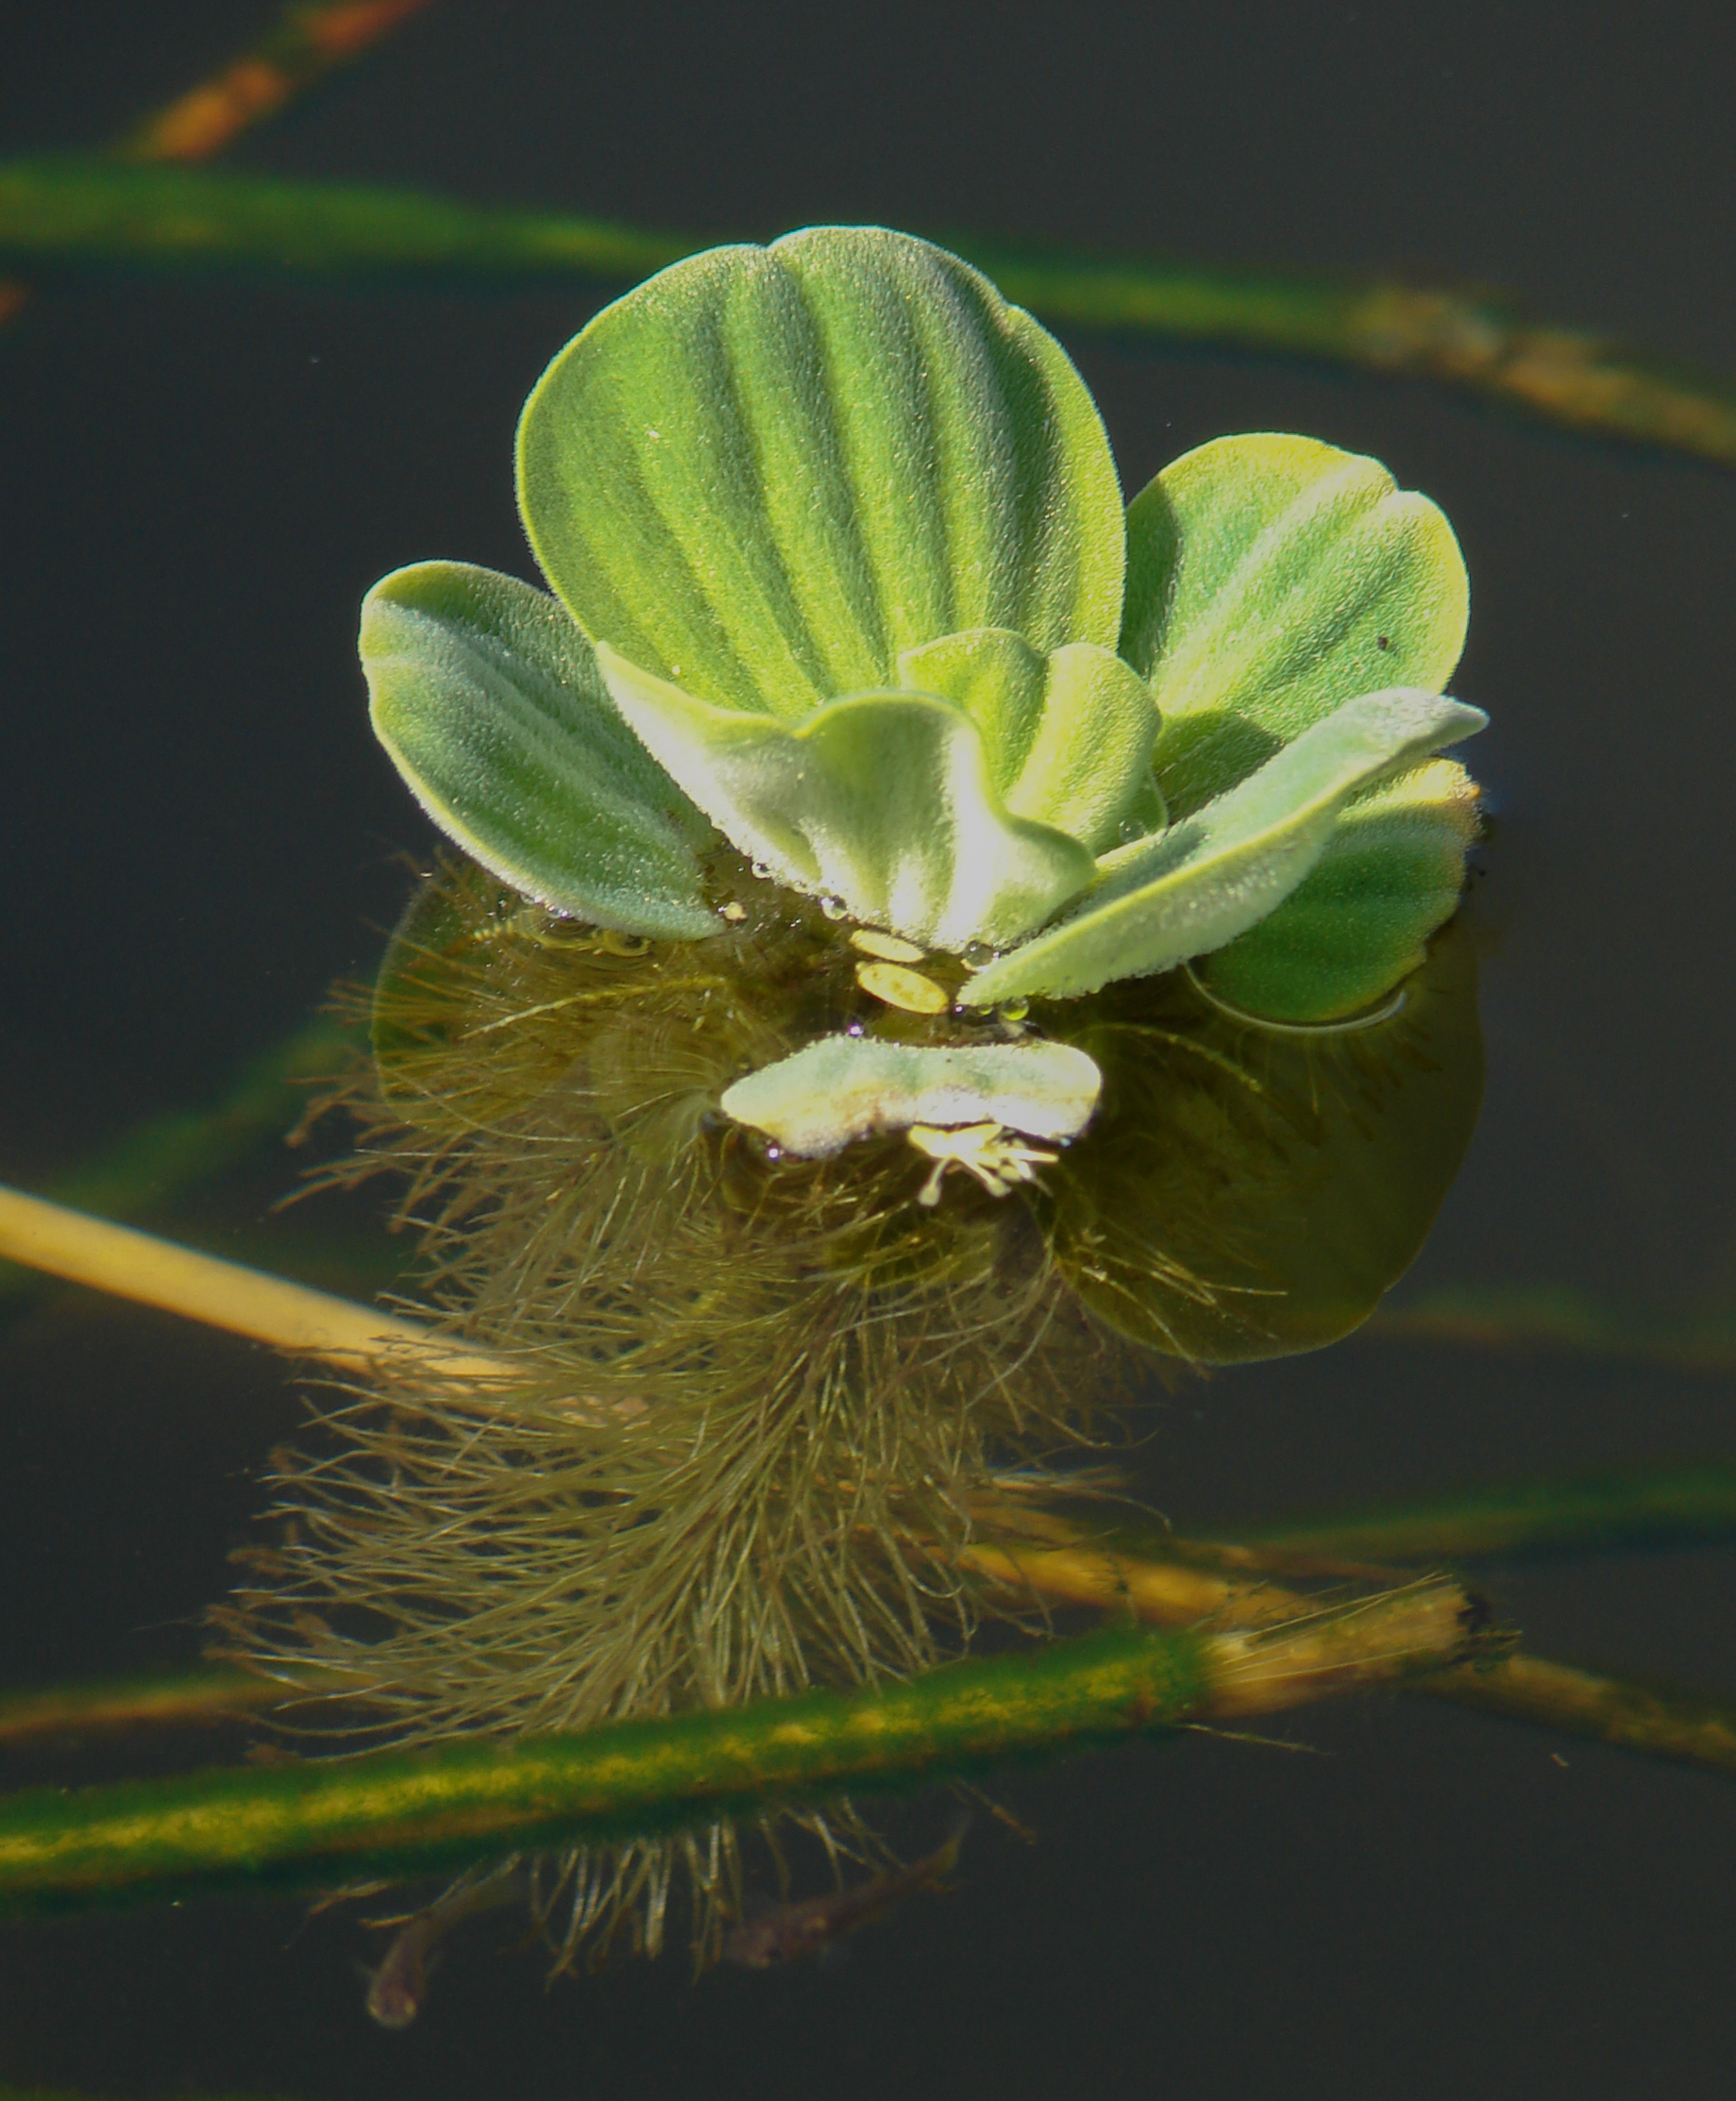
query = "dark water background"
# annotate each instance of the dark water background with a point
(198, 835)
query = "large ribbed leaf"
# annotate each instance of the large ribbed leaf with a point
(768, 472)
(1069, 736)
(1212, 876)
(882, 800)
(1358, 921)
(1269, 578)
(489, 701)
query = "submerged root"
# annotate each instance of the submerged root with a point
(756, 1399)
(755, 1396)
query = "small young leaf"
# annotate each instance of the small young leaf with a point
(768, 472)
(845, 1087)
(998, 680)
(1069, 737)
(881, 800)
(488, 699)
(1269, 578)
(1191, 889)
(1360, 920)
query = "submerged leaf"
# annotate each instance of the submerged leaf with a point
(1069, 737)
(1270, 579)
(1357, 923)
(768, 472)
(1244, 1191)
(1194, 887)
(845, 1087)
(881, 800)
(489, 701)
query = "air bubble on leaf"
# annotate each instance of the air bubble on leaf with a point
(1013, 1010)
(977, 954)
(759, 870)
(834, 908)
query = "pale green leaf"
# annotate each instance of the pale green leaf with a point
(882, 800)
(1359, 922)
(1210, 876)
(1270, 579)
(998, 680)
(1069, 737)
(489, 701)
(768, 472)
(844, 1088)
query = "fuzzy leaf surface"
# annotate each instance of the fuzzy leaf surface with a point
(490, 703)
(768, 472)
(1191, 889)
(1270, 579)
(1069, 736)
(1359, 922)
(881, 800)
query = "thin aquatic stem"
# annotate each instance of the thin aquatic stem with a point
(1556, 1317)
(293, 1317)
(86, 210)
(1588, 1513)
(397, 1812)
(307, 43)
(1655, 1720)
(194, 1699)
(1658, 1721)
(181, 1150)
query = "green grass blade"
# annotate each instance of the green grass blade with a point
(1656, 1507)
(83, 210)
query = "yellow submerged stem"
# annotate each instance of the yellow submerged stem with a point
(1656, 1722)
(202, 1699)
(1163, 1593)
(1664, 1724)
(291, 1316)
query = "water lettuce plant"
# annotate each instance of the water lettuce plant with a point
(919, 940)
(840, 568)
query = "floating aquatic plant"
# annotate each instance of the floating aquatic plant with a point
(920, 935)
(841, 565)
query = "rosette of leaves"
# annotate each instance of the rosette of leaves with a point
(841, 576)
(841, 568)
(851, 651)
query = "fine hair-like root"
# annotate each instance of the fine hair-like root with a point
(754, 1396)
